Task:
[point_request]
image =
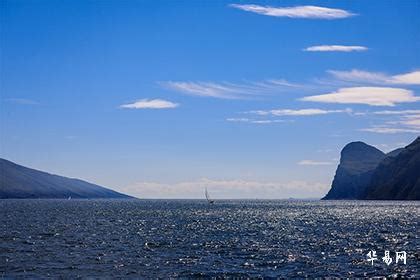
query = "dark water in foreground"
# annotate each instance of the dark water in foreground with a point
(147, 238)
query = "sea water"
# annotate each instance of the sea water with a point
(191, 238)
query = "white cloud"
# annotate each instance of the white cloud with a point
(207, 89)
(397, 112)
(403, 121)
(284, 112)
(359, 76)
(227, 188)
(411, 121)
(278, 82)
(238, 120)
(374, 96)
(298, 112)
(390, 130)
(335, 48)
(225, 90)
(314, 162)
(411, 78)
(247, 120)
(150, 104)
(313, 12)
(267, 121)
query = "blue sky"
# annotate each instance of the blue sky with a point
(160, 99)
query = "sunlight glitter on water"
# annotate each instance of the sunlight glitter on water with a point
(154, 238)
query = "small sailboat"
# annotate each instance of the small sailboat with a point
(69, 198)
(209, 200)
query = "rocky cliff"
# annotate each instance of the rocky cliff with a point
(365, 172)
(357, 163)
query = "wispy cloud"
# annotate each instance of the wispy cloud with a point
(238, 120)
(403, 121)
(150, 104)
(22, 101)
(268, 114)
(226, 90)
(298, 112)
(397, 112)
(335, 48)
(411, 121)
(314, 162)
(209, 89)
(254, 121)
(355, 75)
(227, 188)
(310, 12)
(374, 96)
(390, 130)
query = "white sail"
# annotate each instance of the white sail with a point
(209, 200)
(207, 195)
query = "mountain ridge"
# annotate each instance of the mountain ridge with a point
(18, 181)
(398, 177)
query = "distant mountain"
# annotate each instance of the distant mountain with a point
(398, 177)
(357, 163)
(17, 181)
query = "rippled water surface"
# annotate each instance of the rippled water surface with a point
(144, 238)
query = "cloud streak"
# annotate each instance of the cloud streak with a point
(361, 76)
(283, 113)
(314, 162)
(335, 48)
(411, 121)
(389, 130)
(150, 104)
(373, 96)
(403, 121)
(309, 12)
(225, 90)
(209, 89)
(397, 112)
(254, 121)
(298, 112)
